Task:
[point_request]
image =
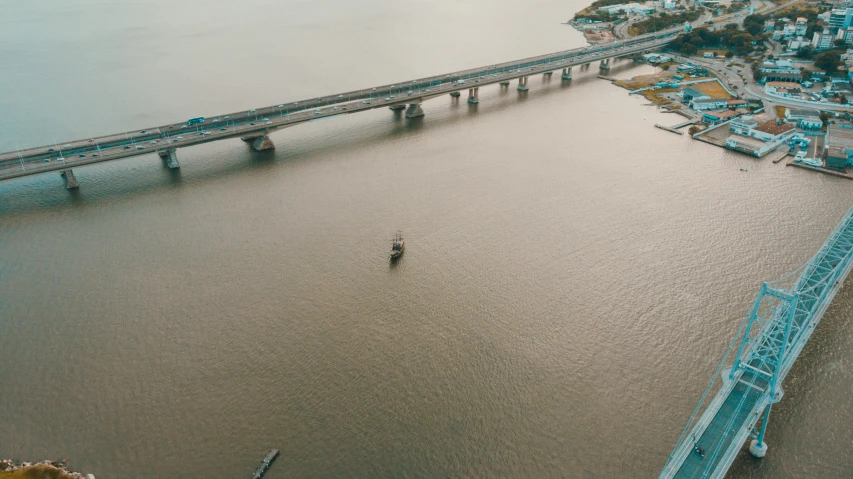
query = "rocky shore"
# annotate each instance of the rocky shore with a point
(10, 469)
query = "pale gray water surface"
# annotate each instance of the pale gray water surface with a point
(571, 277)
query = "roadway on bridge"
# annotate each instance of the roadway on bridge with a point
(261, 121)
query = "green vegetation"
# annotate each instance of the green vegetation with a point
(730, 38)
(663, 21)
(591, 12)
(828, 61)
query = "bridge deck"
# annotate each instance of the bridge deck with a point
(261, 121)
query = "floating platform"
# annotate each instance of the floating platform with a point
(262, 469)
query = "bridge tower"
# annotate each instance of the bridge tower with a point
(766, 344)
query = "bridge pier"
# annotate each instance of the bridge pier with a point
(547, 74)
(414, 110)
(758, 450)
(262, 143)
(567, 73)
(455, 94)
(605, 64)
(70, 180)
(170, 157)
(397, 107)
(474, 95)
(522, 84)
(504, 83)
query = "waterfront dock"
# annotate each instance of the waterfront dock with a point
(683, 124)
(262, 469)
(827, 171)
(669, 129)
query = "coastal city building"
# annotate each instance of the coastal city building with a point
(782, 88)
(800, 27)
(748, 136)
(717, 117)
(628, 8)
(838, 147)
(709, 104)
(690, 94)
(840, 18)
(823, 40)
(795, 44)
(805, 119)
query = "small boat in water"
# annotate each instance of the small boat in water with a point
(397, 247)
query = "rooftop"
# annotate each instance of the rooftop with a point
(775, 129)
(835, 152)
(711, 100)
(692, 92)
(840, 135)
(783, 84)
(801, 112)
(748, 141)
(723, 114)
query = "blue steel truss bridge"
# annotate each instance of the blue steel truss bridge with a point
(781, 321)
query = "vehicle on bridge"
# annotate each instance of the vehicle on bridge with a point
(195, 121)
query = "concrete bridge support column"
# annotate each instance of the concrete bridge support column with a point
(522, 84)
(170, 157)
(505, 83)
(605, 64)
(414, 111)
(70, 180)
(262, 143)
(547, 74)
(567, 73)
(455, 94)
(397, 107)
(474, 95)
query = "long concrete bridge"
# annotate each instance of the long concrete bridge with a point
(255, 125)
(781, 321)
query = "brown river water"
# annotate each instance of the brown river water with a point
(572, 275)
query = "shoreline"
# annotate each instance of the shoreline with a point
(11, 469)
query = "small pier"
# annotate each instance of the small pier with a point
(784, 155)
(262, 469)
(669, 129)
(683, 124)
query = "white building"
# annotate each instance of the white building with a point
(782, 87)
(757, 140)
(669, 4)
(743, 125)
(628, 8)
(709, 104)
(800, 27)
(796, 44)
(823, 40)
(805, 119)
